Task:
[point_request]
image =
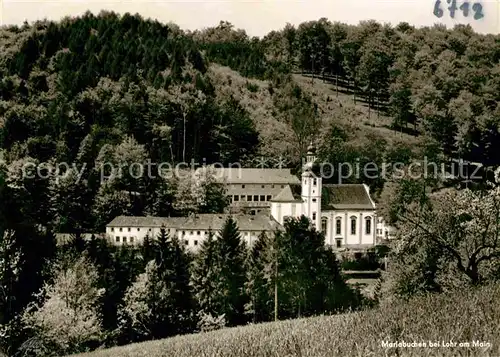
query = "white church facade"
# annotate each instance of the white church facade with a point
(345, 213)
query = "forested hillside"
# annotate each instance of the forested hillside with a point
(99, 91)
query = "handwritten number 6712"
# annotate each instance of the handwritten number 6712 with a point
(476, 7)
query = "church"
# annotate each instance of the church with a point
(345, 213)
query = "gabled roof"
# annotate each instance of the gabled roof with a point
(256, 176)
(139, 221)
(291, 193)
(200, 221)
(346, 196)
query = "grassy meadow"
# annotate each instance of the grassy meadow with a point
(463, 317)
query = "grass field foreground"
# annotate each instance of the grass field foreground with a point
(467, 317)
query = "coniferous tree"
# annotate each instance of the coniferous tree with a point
(259, 286)
(147, 249)
(231, 252)
(207, 287)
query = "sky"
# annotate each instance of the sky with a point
(258, 17)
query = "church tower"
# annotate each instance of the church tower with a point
(311, 188)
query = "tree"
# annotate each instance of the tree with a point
(456, 232)
(231, 253)
(400, 94)
(305, 274)
(68, 320)
(207, 286)
(260, 283)
(373, 66)
(159, 302)
(212, 191)
(10, 270)
(71, 202)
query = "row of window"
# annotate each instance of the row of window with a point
(124, 239)
(264, 186)
(129, 229)
(250, 198)
(338, 224)
(132, 240)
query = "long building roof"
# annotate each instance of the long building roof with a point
(214, 222)
(255, 176)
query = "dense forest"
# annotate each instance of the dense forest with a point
(116, 89)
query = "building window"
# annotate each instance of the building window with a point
(314, 200)
(117, 239)
(243, 197)
(252, 212)
(262, 198)
(263, 186)
(186, 242)
(379, 231)
(183, 233)
(249, 198)
(324, 224)
(272, 186)
(368, 225)
(121, 229)
(195, 242)
(258, 211)
(353, 225)
(112, 229)
(269, 198)
(236, 198)
(282, 186)
(150, 229)
(314, 216)
(131, 239)
(198, 233)
(242, 186)
(338, 226)
(138, 229)
(338, 242)
(124, 239)
(315, 182)
(256, 198)
(129, 229)
(191, 232)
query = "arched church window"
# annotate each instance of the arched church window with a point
(338, 226)
(324, 224)
(353, 225)
(368, 225)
